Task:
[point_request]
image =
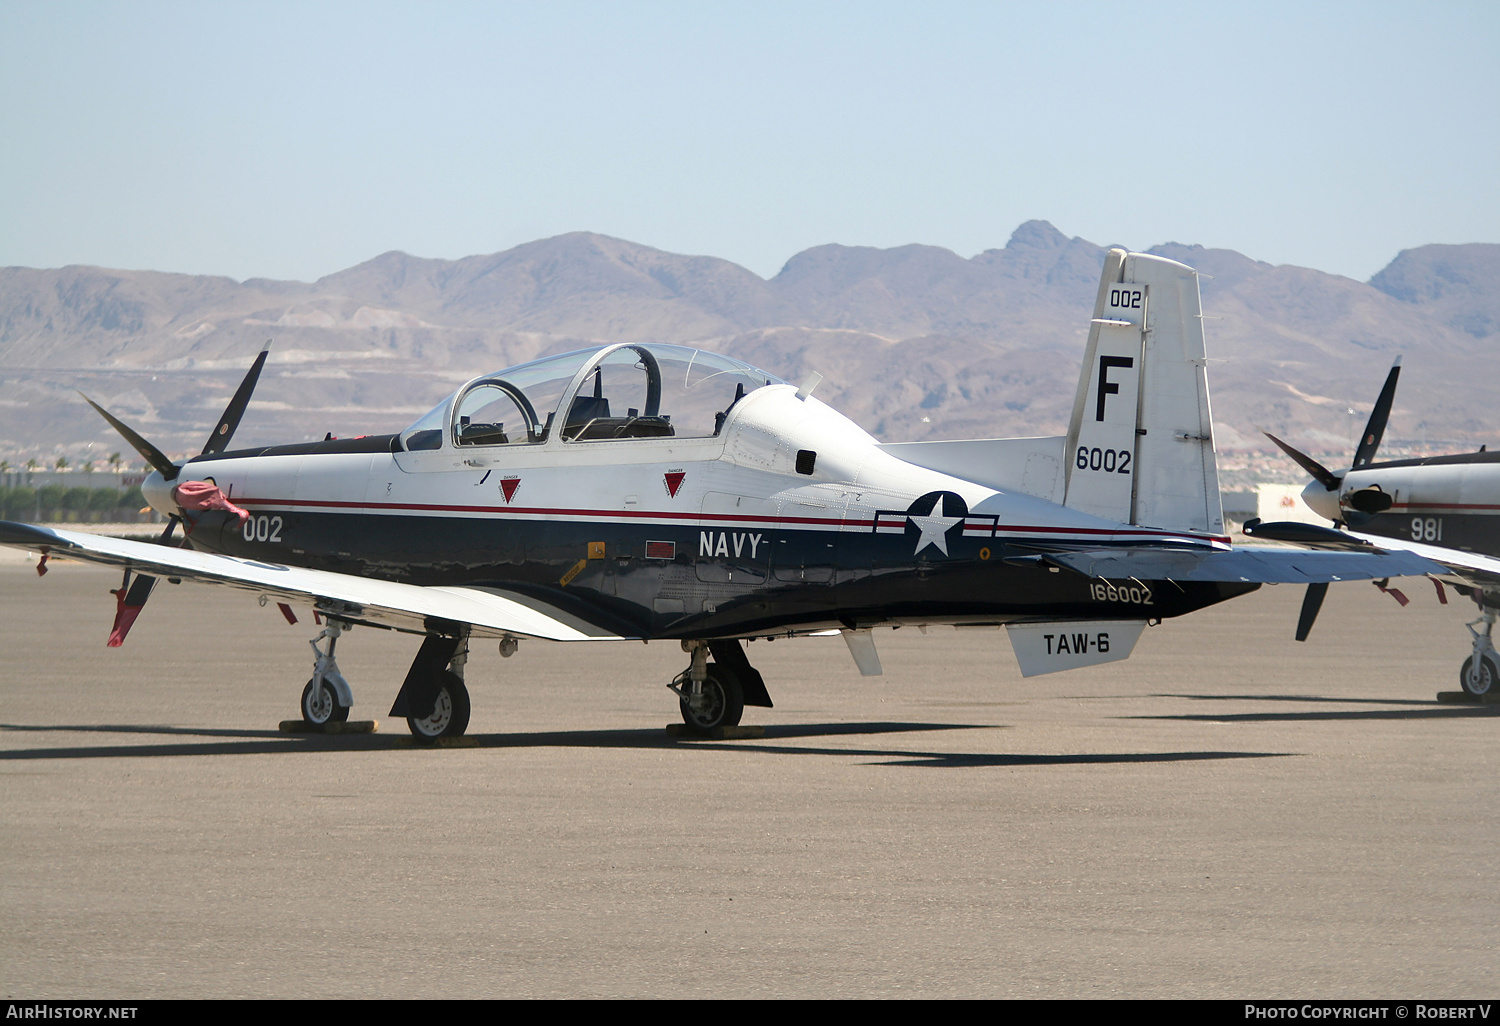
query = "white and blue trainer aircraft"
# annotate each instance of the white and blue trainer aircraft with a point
(655, 492)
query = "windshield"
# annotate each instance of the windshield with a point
(612, 392)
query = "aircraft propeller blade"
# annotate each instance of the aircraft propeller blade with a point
(150, 453)
(217, 441)
(132, 594)
(1311, 603)
(1364, 503)
(224, 430)
(1325, 477)
(1370, 440)
(132, 599)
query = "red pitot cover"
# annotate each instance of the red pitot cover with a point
(205, 495)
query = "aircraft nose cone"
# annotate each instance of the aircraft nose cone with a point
(158, 493)
(1321, 501)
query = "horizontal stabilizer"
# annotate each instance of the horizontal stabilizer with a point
(1050, 647)
(1253, 565)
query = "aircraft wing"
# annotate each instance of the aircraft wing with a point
(1262, 565)
(1470, 567)
(387, 603)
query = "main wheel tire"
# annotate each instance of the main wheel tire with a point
(1481, 682)
(450, 713)
(723, 701)
(323, 707)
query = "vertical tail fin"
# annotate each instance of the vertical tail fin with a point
(1140, 445)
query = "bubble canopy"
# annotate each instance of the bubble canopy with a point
(629, 390)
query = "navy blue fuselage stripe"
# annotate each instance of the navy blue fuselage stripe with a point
(721, 581)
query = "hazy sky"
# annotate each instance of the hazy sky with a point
(293, 140)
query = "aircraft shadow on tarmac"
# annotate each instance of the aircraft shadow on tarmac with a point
(266, 742)
(1423, 709)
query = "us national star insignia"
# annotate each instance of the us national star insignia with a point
(934, 526)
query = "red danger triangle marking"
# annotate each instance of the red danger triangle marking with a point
(674, 481)
(508, 485)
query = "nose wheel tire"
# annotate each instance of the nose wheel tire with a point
(721, 703)
(450, 712)
(320, 705)
(1480, 679)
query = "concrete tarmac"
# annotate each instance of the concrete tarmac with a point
(1227, 814)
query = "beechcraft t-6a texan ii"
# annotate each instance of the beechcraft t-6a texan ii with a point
(1440, 507)
(654, 492)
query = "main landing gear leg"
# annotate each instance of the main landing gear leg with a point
(707, 696)
(433, 697)
(714, 694)
(1479, 675)
(327, 696)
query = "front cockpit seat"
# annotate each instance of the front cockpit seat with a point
(481, 434)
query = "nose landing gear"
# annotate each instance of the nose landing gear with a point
(327, 696)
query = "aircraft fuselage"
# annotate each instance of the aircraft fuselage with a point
(683, 538)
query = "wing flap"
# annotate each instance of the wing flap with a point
(385, 602)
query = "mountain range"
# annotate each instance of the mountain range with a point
(914, 342)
